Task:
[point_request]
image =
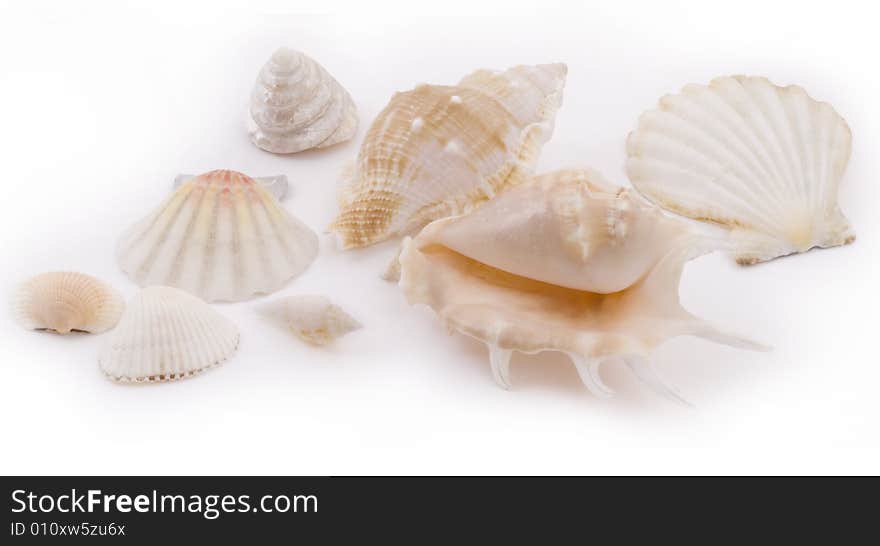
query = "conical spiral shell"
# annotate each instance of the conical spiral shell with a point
(440, 150)
(297, 105)
(486, 277)
(764, 160)
(220, 236)
(314, 319)
(167, 334)
(64, 301)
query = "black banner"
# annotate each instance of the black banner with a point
(321, 510)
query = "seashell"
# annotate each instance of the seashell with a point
(297, 105)
(276, 185)
(221, 236)
(440, 150)
(564, 262)
(64, 302)
(167, 334)
(313, 318)
(765, 161)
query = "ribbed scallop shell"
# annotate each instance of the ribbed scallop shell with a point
(64, 301)
(222, 237)
(297, 105)
(440, 150)
(533, 270)
(167, 334)
(314, 319)
(764, 160)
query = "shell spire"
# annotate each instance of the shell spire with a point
(441, 150)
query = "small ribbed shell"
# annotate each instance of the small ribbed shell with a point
(765, 161)
(441, 150)
(64, 302)
(221, 236)
(297, 105)
(167, 334)
(524, 273)
(314, 319)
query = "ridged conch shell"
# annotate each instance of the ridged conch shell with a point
(221, 236)
(64, 302)
(764, 160)
(167, 334)
(440, 150)
(297, 105)
(314, 319)
(565, 262)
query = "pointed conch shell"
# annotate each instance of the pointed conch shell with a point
(221, 236)
(314, 319)
(297, 105)
(167, 334)
(64, 302)
(764, 160)
(565, 263)
(440, 150)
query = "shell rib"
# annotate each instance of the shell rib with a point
(441, 150)
(167, 334)
(315, 319)
(297, 105)
(221, 236)
(765, 161)
(534, 270)
(64, 302)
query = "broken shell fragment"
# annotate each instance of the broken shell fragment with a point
(314, 319)
(64, 302)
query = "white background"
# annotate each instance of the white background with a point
(102, 105)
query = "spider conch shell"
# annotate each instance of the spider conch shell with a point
(221, 236)
(314, 319)
(763, 160)
(167, 334)
(297, 105)
(64, 302)
(440, 150)
(565, 263)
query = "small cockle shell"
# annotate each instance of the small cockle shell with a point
(565, 263)
(297, 105)
(64, 302)
(441, 150)
(221, 236)
(167, 334)
(765, 161)
(314, 319)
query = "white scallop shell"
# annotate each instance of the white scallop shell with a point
(441, 150)
(297, 105)
(534, 270)
(221, 236)
(64, 301)
(764, 160)
(167, 334)
(314, 319)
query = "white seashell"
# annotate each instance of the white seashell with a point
(313, 318)
(441, 150)
(297, 105)
(221, 236)
(561, 263)
(167, 334)
(64, 302)
(764, 160)
(276, 185)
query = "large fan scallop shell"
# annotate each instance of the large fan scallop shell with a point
(764, 160)
(440, 150)
(314, 319)
(167, 334)
(221, 236)
(297, 105)
(64, 302)
(565, 263)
